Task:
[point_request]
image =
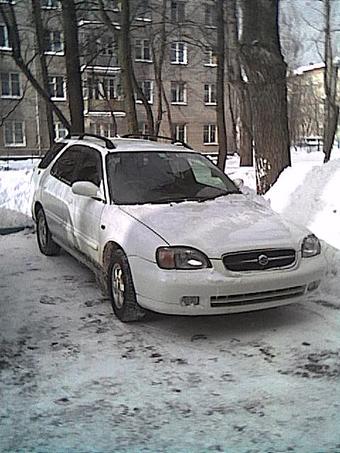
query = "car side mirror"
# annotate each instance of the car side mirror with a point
(85, 189)
(239, 183)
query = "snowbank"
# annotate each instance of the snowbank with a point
(10, 219)
(310, 197)
(15, 190)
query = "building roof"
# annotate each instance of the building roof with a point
(311, 67)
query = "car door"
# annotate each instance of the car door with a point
(57, 196)
(86, 211)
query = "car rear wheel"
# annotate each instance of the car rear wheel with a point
(45, 242)
(122, 291)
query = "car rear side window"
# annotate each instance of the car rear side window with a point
(51, 154)
(64, 168)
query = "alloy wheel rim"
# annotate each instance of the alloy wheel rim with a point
(118, 287)
(42, 231)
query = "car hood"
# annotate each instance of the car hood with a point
(226, 224)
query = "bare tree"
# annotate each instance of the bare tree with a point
(73, 75)
(237, 85)
(8, 15)
(121, 35)
(330, 86)
(158, 54)
(40, 42)
(265, 70)
(220, 80)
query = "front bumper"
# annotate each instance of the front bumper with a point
(221, 291)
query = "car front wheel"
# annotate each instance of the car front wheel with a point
(122, 292)
(45, 242)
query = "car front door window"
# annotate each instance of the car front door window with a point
(89, 167)
(65, 166)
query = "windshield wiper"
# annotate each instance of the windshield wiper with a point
(231, 192)
(174, 200)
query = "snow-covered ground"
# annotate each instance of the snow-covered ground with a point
(75, 379)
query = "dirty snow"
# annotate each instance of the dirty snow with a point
(75, 379)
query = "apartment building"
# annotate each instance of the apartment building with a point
(306, 95)
(188, 31)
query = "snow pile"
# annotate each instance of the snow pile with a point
(9, 219)
(310, 197)
(15, 190)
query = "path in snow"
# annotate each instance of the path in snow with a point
(73, 378)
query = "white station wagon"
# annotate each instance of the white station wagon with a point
(167, 231)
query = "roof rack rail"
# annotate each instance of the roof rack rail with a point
(107, 141)
(156, 137)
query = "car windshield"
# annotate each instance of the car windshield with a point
(164, 177)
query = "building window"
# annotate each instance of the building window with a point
(14, 133)
(56, 88)
(110, 88)
(10, 85)
(181, 132)
(143, 128)
(142, 50)
(179, 53)
(143, 11)
(104, 129)
(177, 12)
(210, 58)
(54, 42)
(210, 134)
(210, 18)
(210, 94)
(50, 4)
(60, 130)
(107, 46)
(103, 88)
(147, 88)
(108, 130)
(178, 93)
(4, 37)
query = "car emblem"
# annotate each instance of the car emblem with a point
(263, 260)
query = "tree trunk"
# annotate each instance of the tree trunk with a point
(168, 112)
(331, 114)
(146, 105)
(158, 67)
(238, 86)
(266, 74)
(246, 140)
(220, 92)
(125, 59)
(73, 75)
(40, 39)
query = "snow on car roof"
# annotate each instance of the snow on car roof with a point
(127, 143)
(136, 144)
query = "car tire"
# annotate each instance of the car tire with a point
(45, 242)
(122, 291)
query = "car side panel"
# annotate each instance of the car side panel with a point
(86, 220)
(56, 199)
(135, 238)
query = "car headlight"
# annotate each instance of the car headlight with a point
(181, 258)
(310, 246)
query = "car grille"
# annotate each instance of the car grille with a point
(236, 300)
(259, 260)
